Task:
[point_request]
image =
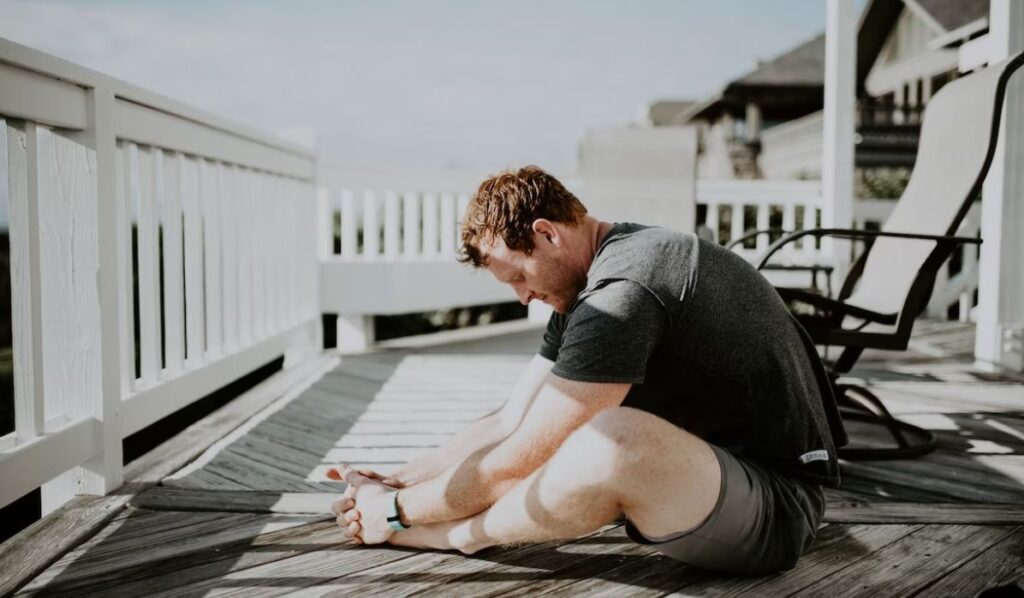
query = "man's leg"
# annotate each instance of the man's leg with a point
(664, 479)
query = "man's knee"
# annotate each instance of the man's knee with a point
(616, 438)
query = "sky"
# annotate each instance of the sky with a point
(401, 86)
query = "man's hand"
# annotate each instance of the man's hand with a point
(362, 510)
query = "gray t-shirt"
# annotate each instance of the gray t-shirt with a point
(708, 345)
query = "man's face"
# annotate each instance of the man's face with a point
(548, 273)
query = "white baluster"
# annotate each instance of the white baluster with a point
(195, 330)
(211, 196)
(371, 226)
(149, 282)
(711, 221)
(349, 226)
(763, 213)
(392, 226)
(430, 225)
(449, 233)
(411, 225)
(174, 285)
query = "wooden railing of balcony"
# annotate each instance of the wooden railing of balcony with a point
(111, 335)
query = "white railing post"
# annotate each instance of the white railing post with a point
(449, 223)
(325, 218)
(174, 284)
(349, 226)
(711, 219)
(211, 193)
(21, 162)
(838, 130)
(1000, 328)
(430, 225)
(106, 473)
(371, 226)
(411, 225)
(392, 225)
(763, 213)
(91, 387)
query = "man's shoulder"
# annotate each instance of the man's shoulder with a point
(658, 259)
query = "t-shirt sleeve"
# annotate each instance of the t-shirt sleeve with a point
(611, 334)
(552, 340)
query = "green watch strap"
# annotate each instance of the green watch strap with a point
(394, 519)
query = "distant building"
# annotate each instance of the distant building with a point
(768, 123)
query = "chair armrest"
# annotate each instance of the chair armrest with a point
(852, 233)
(752, 234)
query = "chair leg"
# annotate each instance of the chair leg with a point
(860, 404)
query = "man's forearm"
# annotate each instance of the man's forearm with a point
(481, 433)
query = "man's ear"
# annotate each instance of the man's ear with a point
(547, 229)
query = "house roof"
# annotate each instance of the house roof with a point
(953, 14)
(803, 65)
(664, 112)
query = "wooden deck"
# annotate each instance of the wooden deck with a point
(246, 517)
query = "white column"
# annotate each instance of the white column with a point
(837, 160)
(1000, 332)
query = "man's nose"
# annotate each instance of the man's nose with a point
(524, 294)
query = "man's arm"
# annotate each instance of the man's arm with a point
(484, 432)
(474, 484)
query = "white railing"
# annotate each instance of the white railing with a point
(734, 207)
(386, 253)
(223, 277)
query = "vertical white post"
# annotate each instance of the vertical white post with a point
(195, 334)
(789, 224)
(1000, 331)
(211, 194)
(125, 280)
(371, 226)
(711, 220)
(763, 213)
(149, 282)
(348, 225)
(229, 233)
(174, 285)
(430, 225)
(244, 206)
(737, 225)
(411, 225)
(355, 332)
(92, 385)
(449, 234)
(392, 225)
(22, 183)
(837, 160)
(325, 220)
(104, 473)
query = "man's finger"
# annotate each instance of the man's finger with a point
(341, 505)
(354, 529)
(351, 515)
(349, 492)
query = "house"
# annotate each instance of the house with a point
(768, 123)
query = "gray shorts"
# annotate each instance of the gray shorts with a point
(762, 523)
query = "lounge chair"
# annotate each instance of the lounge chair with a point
(888, 286)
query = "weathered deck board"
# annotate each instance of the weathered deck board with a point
(911, 563)
(1000, 565)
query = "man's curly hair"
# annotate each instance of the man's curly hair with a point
(505, 206)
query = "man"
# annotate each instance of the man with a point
(672, 387)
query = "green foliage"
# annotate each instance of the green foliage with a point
(882, 183)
